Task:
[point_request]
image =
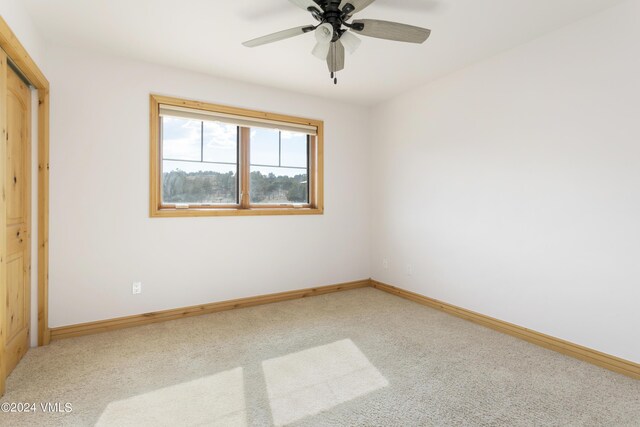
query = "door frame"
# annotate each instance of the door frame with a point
(18, 55)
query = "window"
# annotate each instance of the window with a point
(211, 160)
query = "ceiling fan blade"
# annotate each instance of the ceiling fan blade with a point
(411, 5)
(358, 5)
(280, 35)
(335, 59)
(392, 31)
(306, 4)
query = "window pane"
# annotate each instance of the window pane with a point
(294, 149)
(199, 183)
(181, 138)
(279, 185)
(265, 147)
(220, 142)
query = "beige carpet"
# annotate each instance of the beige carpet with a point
(357, 358)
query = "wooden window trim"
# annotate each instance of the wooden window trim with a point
(316, 166)
(245, 177)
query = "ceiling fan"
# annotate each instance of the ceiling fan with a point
(334, 33)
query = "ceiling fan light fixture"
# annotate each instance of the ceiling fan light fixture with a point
(321, 50)
(351, 42)
(324, 35)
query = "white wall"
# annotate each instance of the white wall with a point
(513, 187)
(102, 238)
(15, 14)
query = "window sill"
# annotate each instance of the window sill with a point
(204, 212)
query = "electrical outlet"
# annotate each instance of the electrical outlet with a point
(136, 288)
(409, 269)
(385, 263)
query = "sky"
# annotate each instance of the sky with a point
(182, 141)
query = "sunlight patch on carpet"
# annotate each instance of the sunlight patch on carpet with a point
(216, 400)
(311, 381)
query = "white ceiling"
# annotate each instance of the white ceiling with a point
(206, 36)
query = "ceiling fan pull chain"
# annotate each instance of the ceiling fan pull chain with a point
(334, 75)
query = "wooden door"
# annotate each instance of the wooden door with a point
(18, 226)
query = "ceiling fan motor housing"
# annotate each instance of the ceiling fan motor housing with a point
(334, 16)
